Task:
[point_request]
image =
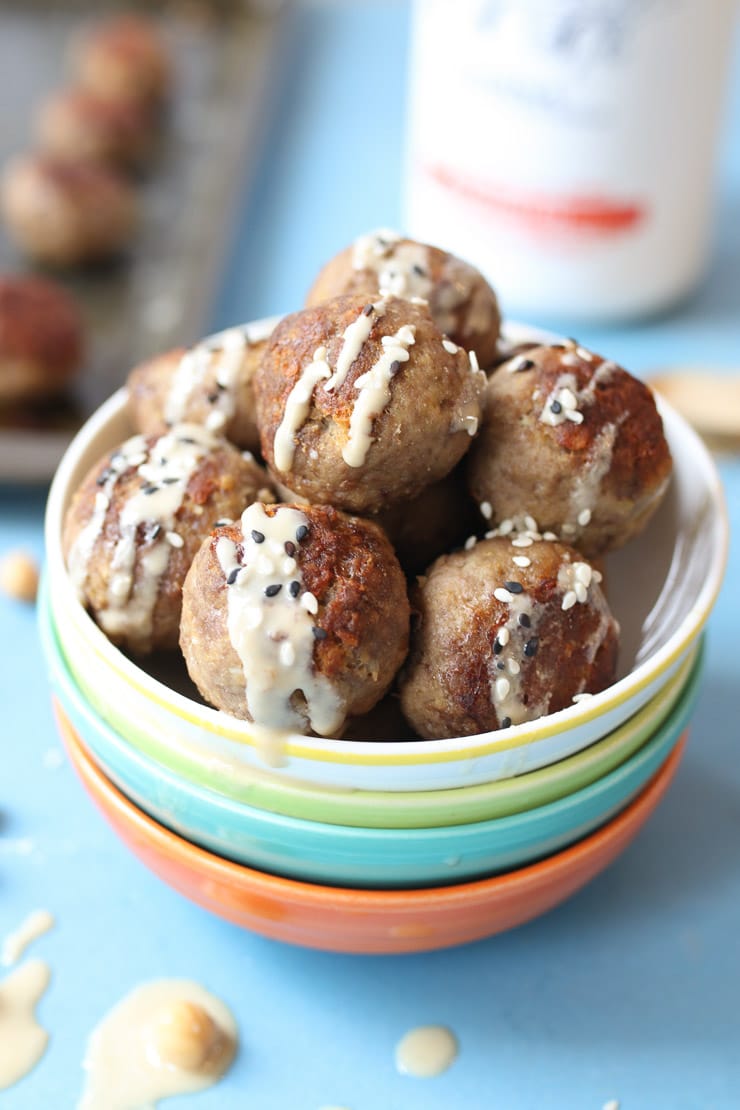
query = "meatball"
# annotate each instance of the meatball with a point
(41, 338)
(461, 301)
(361, 405)
(211, 384)
(574, 442)
(505, 634)
(436, 521)
(124, 58)
(65, 213)
(79, 125)
(137, 520)
(295, 618)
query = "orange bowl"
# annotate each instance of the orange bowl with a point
(363, 921)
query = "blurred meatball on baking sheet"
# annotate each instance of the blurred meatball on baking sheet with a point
(158, 292)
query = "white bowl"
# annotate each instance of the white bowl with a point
(662, 588)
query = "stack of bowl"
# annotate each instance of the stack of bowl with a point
(385, 845)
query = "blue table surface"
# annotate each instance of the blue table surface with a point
(630, 990)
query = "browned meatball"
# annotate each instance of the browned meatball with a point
(137, 520)
(78, 125)
(362, 404)
(211, 384)
(296, 617)
(439, 519)
(574, 442)
(124, 58)
(41, 338)
(65, 213)
(505, 634)
(462, 303)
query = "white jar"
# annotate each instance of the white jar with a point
(566, 147)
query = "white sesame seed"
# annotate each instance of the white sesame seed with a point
(418, 300)
(584, 354)
(581, 592)
(568, 529)
(530, 524)
(581, 697)
(570, 359)
(568, 398)
(502, 595)
(287, 654)
(574, 416)
(470, 543)
(596, 575)
(503, 686)
(522, 541)
(474, 365)
(173, 539)
(492, 534)
(583, 573)
(513, 666)
(309, 603)
(486, 509)
(569, 600)
(289, 565)
(503, 636)
(521, 561)
(449, 346)
(505, 527)
(584, 517)
(101, 502)
(549, 536)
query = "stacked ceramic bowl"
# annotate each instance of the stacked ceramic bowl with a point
(373, 845)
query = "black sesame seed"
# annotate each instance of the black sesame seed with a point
(289, 547)
(294, 588)
(500, 666)
(221, 523)
(186, 439)
(558, 347)
(419, 270)
(506, 722)
(232, 576)
(301, 532)
(149, 489)
(258, 537)
(319, 633)
(524, 621)
(220, 387)
(514, 587)
(368, 310)
(212, 398)
(498, 647)
(572, 341)
(156, 529)
(395, 366)
(274, 589)
(530, 648)
(525, 364)
(104, 476)
(556, 407)
(169, 481)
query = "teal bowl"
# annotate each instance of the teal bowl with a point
(340, 855)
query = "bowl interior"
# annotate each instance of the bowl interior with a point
(662, 588)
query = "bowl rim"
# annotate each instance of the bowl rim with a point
(269, 823)
(167, 844)
(390, 752)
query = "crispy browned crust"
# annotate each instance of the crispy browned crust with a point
(349, 566)
(41, 338)
(521, 465)
(446, 684)
(338, 278)
(220, 488)
(415, 437)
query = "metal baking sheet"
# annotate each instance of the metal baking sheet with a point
(160, 293)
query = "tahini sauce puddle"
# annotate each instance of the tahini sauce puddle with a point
(22, 1039)
(165, 1038)
(426, 1051)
